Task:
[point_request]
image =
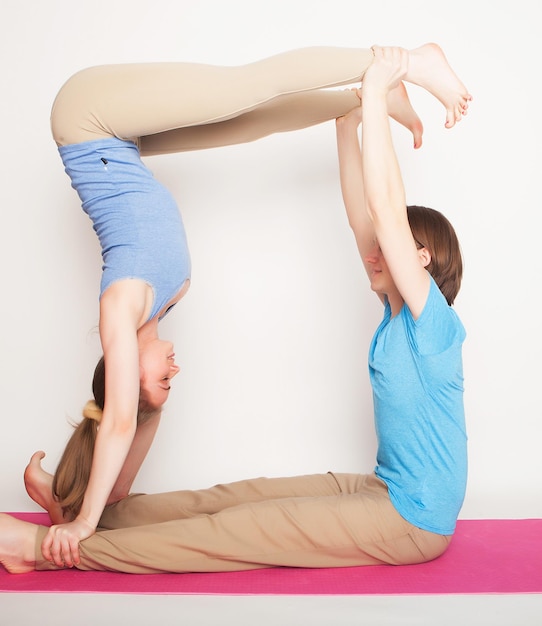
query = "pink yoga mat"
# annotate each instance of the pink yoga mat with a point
(485, 556)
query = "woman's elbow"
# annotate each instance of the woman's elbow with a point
(122, 426)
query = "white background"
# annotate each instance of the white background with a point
(272, 337)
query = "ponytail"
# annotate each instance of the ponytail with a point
(71, 477)
(73, 472)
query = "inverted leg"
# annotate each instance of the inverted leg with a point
(282, 114)
(133, 100)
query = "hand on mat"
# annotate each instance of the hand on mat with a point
(61, 543)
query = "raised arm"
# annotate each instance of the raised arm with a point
(352, 186)
(351, 177)
(351, 166)
(384, 190)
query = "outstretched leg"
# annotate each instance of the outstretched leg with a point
(345, 529)
(145, 509)
(133, 100)
(352, 528)
(155, 99)
(282, 114)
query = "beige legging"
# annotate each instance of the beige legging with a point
(321, 520)
(173, 107)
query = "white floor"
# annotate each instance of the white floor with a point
(202, 610)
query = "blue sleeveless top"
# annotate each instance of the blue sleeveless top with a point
(136, 219)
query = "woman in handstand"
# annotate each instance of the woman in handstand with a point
(317, 521)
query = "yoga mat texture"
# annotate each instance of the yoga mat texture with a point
(485, 556)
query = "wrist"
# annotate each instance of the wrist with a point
(86, 521)
(346, 125)
(372, 91)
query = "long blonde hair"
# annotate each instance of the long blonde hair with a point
(72, 474)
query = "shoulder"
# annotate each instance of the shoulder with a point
(438, 327)
(126, 301)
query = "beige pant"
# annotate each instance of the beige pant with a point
(323, 520)
(173, 107)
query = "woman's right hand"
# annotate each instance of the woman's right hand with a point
(61, 544)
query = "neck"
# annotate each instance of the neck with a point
(148, 331)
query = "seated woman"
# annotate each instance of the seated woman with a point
(404, 512)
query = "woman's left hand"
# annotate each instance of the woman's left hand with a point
(388, 68)
(61, 544)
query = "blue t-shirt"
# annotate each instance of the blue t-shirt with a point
(416, 373)
(136, 219)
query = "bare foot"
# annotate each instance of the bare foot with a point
(39, 486)
(17, 544)
(399, 107)
(429, 69)
(401, 110)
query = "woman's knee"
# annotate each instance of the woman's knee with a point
(430, 545)
(73, 115)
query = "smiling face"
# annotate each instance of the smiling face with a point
(157, 367)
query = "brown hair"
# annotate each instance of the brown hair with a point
(71, 477)
(433, 231)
